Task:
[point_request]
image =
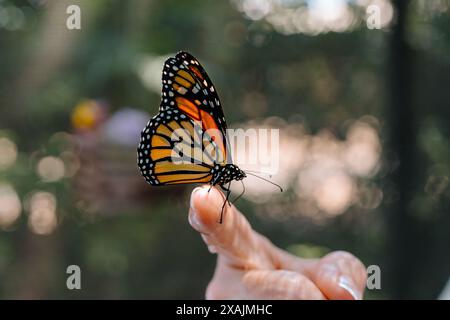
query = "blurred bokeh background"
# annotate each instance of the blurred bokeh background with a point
(363, 114)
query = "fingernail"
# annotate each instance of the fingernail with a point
(347, 284)
(191, 203)
(195, 221)
(193, 215)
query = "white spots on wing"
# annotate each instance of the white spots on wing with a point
(181, 90)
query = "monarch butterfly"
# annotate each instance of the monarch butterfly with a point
(186, 141)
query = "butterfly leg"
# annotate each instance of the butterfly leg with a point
(227, 199)
(227, 189)
(229, 192)
(223, 206)
(213, 183)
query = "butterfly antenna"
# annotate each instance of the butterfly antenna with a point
(258, 172)
(247, 172)
(241, 194)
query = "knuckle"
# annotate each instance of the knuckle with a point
(343, 256)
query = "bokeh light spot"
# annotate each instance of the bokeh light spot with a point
(51, 169)
(42, 219)
(10, 205)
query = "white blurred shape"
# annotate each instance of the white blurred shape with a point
(149, 70)
(42, 219)
(323, 171)
(124, 126)
(335, 194)
(256, 9)
(51, 169)
(289, 155)
(10, 205)
(334, 15)
(386, 11)
(445, 294)
(313, 17)
(327, 10)
(363, 149)
(8, 153)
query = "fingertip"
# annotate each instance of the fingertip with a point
(336, 285)
(350, 291)
(206, 205)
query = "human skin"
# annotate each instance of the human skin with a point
(249, 266)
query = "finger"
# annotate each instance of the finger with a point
(280, 284)
(233, 238)
(288, 261)
(341, 275)
(226, 283)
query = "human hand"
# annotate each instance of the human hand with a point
(249, 266)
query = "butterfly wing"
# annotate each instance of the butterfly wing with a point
(187, 87)
(174, 149)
